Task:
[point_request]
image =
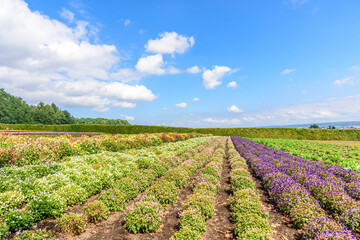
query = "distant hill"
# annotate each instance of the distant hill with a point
(13, 110)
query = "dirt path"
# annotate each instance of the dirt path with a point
(220, 226)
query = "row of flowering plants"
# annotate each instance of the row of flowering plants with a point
(146, 215)
(250, 216)
(24, 150)
(291, 197)
(73, 182)
(200, 205)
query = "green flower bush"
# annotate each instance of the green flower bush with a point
(179, 176)
(10, 200)
(73, 194)
(114, 199)
(18, 220)
(72, 223)
(166, 192)
(4, 230)
(203, 200)
(47, 205)
(144, 178)
(206, 186)
(128, 186)
(242, 182)
(250, 222)
(245, 202)
(186, 233)
(193, 219)
(160, 168)
(143, 217)
(34, 235)
(96, 211)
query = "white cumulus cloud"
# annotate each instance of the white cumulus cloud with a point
(234, 109)
(151, 64)
(232, 84)
(127, 117)
(193, 70)
(170, 43)
(42, 59)
(196, 99)
(181, 105)
(211, 78)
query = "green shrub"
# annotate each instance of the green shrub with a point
(205, 178)
(4, 230)
(166, 192)
(143, 217)
(179, 176)
(35, 235)
(160, 168)
(242, 182)
(249, 222)
(202, 200)
(73, 194)
(193, 219)
(10, 200)
(128, 186)
(144, 178)
(206, 186)
(18, 220)
(255, 234)
(47, 205)
(186, 233)
(96, 211)
(143, 163)
(114, 199)
(212, 170)
(72, 223)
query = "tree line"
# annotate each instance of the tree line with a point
(13, 110)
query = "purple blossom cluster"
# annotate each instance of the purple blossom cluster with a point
(300, 188)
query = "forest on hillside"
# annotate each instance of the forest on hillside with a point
(14, 110)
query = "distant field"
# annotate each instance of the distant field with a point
(347, 143)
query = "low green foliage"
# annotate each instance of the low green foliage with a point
(114, 199)
(250, 222)
(47, 205)
(4, 230)
(72, 223)
(34, 235)
(203, 201)
(143, 217)
(96, 211)
(18, 220)
(166, 192)
(10, 200)
(179, 176)
(128, 186)
(193, 219)
(186, 233)
(144, 178)
(73, 194)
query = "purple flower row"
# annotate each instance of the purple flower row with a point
(292, 198)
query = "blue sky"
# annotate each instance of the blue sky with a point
(186, 63)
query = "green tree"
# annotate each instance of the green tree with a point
(314, 126)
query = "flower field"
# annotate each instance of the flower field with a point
(25, 150)
(172, 186)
